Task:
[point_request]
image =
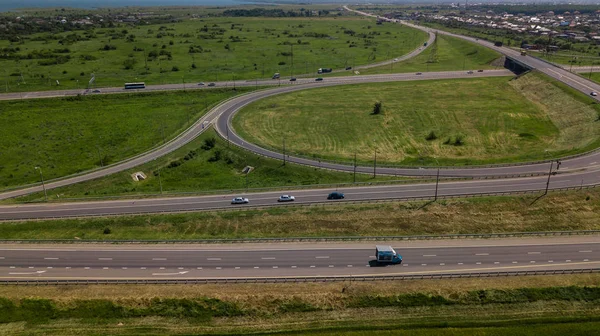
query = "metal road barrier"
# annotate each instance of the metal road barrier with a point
(298, 279)
(309, 239)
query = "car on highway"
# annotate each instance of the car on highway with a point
(319, 79)
(240, 200)
(593, 93)
(419, 73)
(336, 195)
(479, 70)
(211, 84)
(395, 60)
(201, 84)
(293, 79)
(470, 72)
(348, 68)
(286, 198)
(96, 91)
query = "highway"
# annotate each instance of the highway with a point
(299, 260)
(303, 197)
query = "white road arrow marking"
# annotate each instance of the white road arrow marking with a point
(24, 273)
(178, 273)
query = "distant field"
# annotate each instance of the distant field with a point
(207, 49)
(447, 54)
(550, 305)
(441, 122)
(64, 136)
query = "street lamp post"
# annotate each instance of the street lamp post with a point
(284, 151)
(437, 182)
(549, 174)
(375, 164)
(43, 184)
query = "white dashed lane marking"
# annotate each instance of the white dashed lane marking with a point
(322, 257)
(482, 254)
(429, 255)
(268, 258)
(534, 252)
(213, 259)
(587, 251)
(50, 258)
(159, 259)
(105, 259)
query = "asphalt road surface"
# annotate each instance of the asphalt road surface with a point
(280, 260)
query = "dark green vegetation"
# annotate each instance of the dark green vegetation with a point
(64, 136)
(446, 54)
(205, 165)
(424, 307)
(442, 122)
(202, 49)
(575, 210)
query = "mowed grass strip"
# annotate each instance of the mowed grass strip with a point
(439, 122)
(574, 210)
(64, 136)
(204, 169)
(521, 304)
(206, 49)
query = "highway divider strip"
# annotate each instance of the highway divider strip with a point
(298, 279)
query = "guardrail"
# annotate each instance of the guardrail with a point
(308, 239)
(299, 279)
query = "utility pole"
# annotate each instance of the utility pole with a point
(354, 181)
(227, 130)
(292, 54)
(591, 69)
(549, 174)
(284, 151)
(437, 182)
(375, 164)
(100, 157)
(247, 180)
(43, 185)
(160, 181)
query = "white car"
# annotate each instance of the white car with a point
(240, 200)
(286, 198)
(593, 93)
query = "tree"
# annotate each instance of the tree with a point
(378, 108)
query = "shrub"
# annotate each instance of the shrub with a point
(107, 231)
(431, 136)
(377, 108)
(209, 143)
(175, 68)
(458, 141)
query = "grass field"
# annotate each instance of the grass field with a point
(441, 122)
(522, 305)
(447, 54)
(575, 210)
(206, 49)
(64, 136)
(194, 169)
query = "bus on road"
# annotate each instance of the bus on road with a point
(140, 85)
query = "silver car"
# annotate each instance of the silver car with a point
(286, 198)
(240, 200)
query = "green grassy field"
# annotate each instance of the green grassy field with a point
(447, 54)
(441, 122)
(206, 49)
(64, 136)
(575, 210)
(521, 305)
(196, 170)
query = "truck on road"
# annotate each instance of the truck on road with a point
(324, 70)
(385, 254)
(523, 53)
